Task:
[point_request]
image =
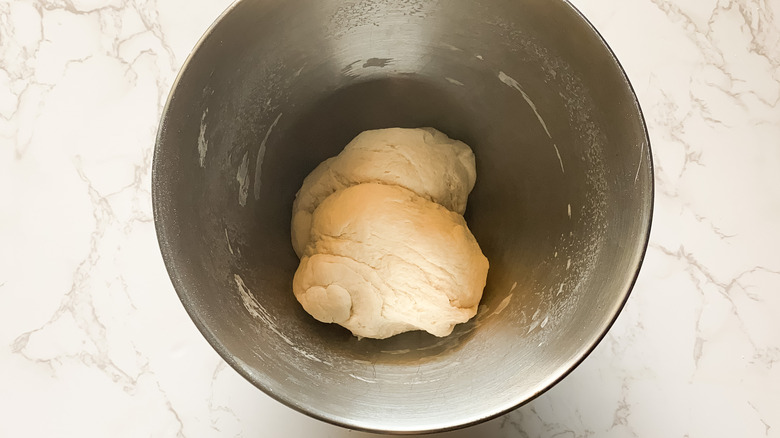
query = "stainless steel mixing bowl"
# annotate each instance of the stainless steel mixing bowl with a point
(561, 208)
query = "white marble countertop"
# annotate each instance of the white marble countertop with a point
(93, 339)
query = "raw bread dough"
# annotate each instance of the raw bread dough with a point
(382, 260)
(422, 160)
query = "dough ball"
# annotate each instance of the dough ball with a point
(422, 160)
(382, 260)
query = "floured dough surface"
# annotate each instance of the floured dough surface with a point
(383, 260)
(383, 244)
(423, 160)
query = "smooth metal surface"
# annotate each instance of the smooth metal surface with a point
(561, 208)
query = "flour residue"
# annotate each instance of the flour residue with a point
(261, 157)
(227, 239)
(203, 144)
(502, 305)
(259, 312)
(508, 80)
(243, 180)
(404, 351)
(641, 157)
(362, 379)
(349, 69)
(560, 160)
(535, 322)
(308, 355)
(255, 309)
(505, 302)
(454, 81)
